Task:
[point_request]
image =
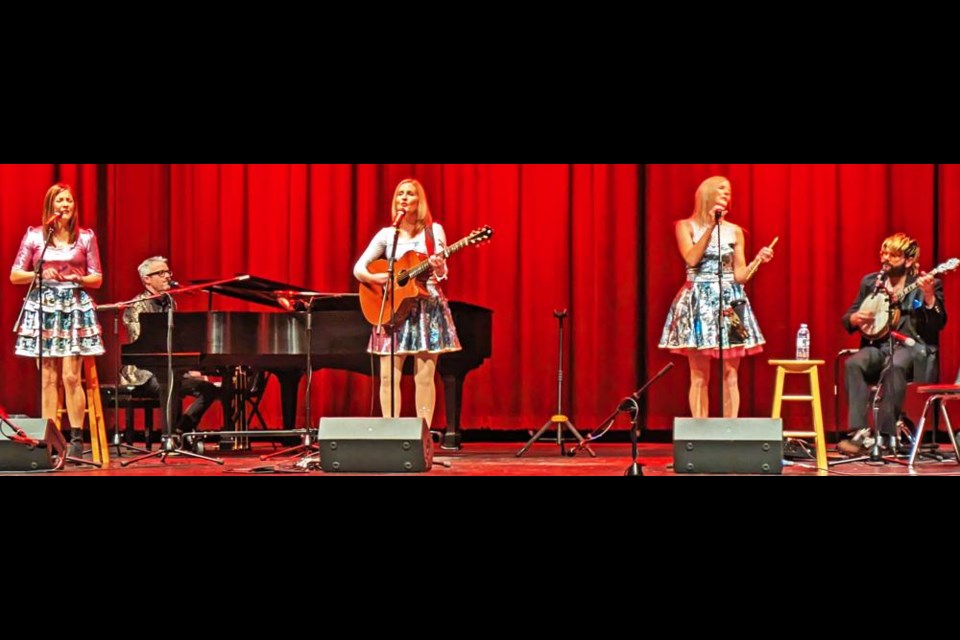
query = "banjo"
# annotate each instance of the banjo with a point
(879, 305)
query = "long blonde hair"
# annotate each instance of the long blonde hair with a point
(423, 209)
(706, 193)
(73, 225)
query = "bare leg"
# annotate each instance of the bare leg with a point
(385, 385)
(426, 369)
(51, 382)
(731, 392)
(699, 385)
(73, 391)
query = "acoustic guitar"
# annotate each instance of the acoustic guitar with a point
(410, 274)
(879, 304)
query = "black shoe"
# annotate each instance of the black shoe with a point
(794, 449)
(852, 448)
(75, 450)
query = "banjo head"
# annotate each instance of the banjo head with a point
(879, 304)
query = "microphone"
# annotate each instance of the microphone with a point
(398, 217)
(884, 272)
(176, 285)
(905, 339)
(56, 216)
(718, 214)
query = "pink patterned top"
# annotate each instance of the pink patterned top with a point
(82, 257)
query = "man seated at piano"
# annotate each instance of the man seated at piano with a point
(156, 276)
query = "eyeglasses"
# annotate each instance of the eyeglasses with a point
(164, 272)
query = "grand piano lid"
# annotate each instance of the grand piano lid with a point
(268, 292)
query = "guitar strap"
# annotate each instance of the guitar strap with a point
(431, 243)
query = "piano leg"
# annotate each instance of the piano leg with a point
(289, 386)
(452, 395)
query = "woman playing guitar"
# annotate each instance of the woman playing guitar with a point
(424, 326)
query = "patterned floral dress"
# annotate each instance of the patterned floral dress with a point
(692, 320)
(70, 325)
(429, 326)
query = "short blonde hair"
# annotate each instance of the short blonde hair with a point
(901, 243)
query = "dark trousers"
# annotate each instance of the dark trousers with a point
(205, 393)
(862, 370)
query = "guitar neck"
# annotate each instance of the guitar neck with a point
(424, 266)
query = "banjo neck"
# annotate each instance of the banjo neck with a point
(949, 265)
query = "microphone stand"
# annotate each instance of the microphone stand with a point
(720, 308)
(632, 404)
(168, 446)
(307, 446)
(635, 468)
(37, 283)
(874, 455)
(393, 314)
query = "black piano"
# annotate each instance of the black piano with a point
(275, 342)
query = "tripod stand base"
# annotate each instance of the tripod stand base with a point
(562, 423)
(168, 448)
(450, 440)
(307, 447)
(634, 469)
(73, 460)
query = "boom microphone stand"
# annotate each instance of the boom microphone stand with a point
(630, 404)
(168, 446)
(306, 306)
(874, 455)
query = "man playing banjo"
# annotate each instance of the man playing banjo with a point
(909, 303)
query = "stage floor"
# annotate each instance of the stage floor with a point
(483, 459)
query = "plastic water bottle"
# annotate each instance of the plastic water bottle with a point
(803, 343)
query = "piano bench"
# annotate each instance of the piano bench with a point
(129, 402)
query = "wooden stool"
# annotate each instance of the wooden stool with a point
(808, 367)
(94, 411)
